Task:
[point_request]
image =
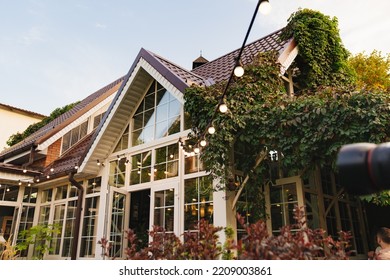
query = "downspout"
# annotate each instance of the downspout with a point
(79, 208)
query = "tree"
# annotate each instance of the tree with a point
(372, 71)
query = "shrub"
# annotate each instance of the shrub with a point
(295, 242)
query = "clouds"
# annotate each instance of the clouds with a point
(34, 34)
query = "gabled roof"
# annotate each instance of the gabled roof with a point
(221, 68)
(21, 111)
(60, 122)
(147, 66)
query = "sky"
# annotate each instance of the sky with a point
(55, 52)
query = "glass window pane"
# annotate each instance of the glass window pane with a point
(9, 193)
(290, 193)
(138, 121)
(161, 129)
(169, 197)
(147, 134)
(172, 169)
(149, 101)
(61, 192)
(47, 195)
(161, 155)
(159, 217)
(169, 218)
(277, 217)
(162, 113)
(94, 185)
(174, 125)
(174, 108)
(275, 194)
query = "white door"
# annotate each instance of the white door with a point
(164, 207)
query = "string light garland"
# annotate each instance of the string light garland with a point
(238, 71)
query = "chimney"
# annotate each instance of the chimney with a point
(199, 61)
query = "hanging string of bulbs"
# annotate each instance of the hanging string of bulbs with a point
(238, 71)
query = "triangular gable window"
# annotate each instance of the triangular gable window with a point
(158, 116)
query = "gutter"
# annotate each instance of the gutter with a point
(79, 208)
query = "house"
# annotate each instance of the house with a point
(15, 120)
(114, 162)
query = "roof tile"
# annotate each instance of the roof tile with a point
(221, 68)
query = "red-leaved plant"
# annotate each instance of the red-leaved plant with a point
(295, 242)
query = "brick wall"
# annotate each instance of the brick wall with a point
(53, 152)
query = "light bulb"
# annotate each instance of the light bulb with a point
(223, 108)
(239, 71)
(211, 130)
(265, 7)
(196, 150)
(203, 143)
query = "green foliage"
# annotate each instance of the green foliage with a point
(381, 199)
(322, 59)
(252, 93)
(307, 129)
(39, 236)
(18, 137)
(372, 71)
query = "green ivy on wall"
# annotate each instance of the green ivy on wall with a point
(307, 129)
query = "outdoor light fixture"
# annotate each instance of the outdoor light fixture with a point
(211, 130)
(265, 7)
(238, 70)
(223, 108)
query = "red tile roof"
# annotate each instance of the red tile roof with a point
(58, 123)
(67, 162)
(220, 69)
(185, 75)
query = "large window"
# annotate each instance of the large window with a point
(117, 173)
(73, 136)
(167, 162)
(117, 224)
(91, 211)
(64, 207)
(123, 142)
(9, 193)
(157, 116)
(198, 201)
(141, 168)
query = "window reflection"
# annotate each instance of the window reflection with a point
(157, 116)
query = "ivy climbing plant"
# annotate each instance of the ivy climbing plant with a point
(307, 129)
(322, 59)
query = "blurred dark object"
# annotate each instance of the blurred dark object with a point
(364, 168)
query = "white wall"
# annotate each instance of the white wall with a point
(13, 121)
